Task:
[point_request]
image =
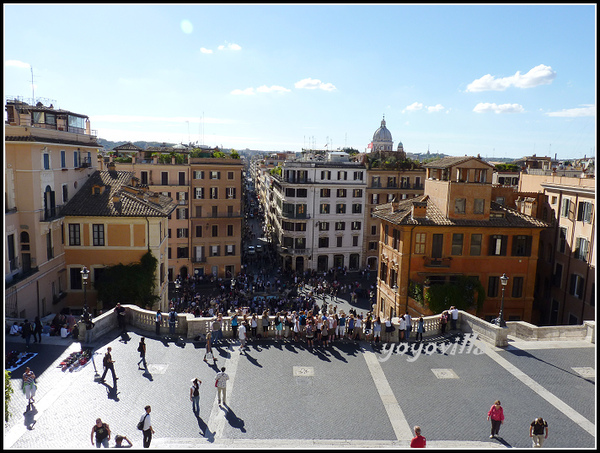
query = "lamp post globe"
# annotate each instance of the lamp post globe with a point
(84, 277)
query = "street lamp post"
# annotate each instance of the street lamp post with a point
(504, 281)
(395, 288)
(84, 277)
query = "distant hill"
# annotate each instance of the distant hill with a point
(108, 145)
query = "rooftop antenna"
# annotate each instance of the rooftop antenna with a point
(202, 128)
(32, 87)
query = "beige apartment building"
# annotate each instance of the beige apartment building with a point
(567, 268)
(49, 155)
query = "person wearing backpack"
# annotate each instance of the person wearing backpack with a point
(172, 321)
(142, 350)
(26, 332)
(108, 363)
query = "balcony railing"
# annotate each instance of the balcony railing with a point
(437, 262)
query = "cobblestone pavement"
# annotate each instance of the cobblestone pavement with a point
(283, 395)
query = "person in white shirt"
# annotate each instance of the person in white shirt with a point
(222, 379)
(357, 328)
(453, 316)
(147, 427)
(242, 335)
(408, 320)
(402, 327)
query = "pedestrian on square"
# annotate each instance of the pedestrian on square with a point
(234, 325)
(102, 432)
(158, 321)
(26, 332)
(496, 414)
(377, 330)
(341, 326)
(420, 328)
(215, 327)
(172, 321)
(453, 316)
(389, 329)
(443, 321)
(538, 431)
(408, 320)
(242, 335)
(195, 395)
(401, 328)
(142, 350)
(418, 441)
(325, 332)
(310, 333)
(120, 311)
(29, 385)
(38, 328)
(221, 384)
(253, 325)
(278, 326)
(108, 364)
(119, 442)
(357, 328)
(265, 324)
(208, 355)
(147, 429)
(350, 329)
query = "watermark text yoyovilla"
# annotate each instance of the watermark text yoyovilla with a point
(468, 344)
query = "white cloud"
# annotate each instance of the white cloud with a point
(586, 110)
(539, 75)
(205, 50)
(485, 107)
(413, 107)
(313, 84)
(17, 64)
(435, 108)
(229, 46)
(186, 26)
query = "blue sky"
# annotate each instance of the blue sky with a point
(495, 80)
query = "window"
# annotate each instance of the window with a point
(229, 230)
(65, 193)
(354, 241)
(182, 232)
(214, 193)
(215, 250)
(324, 226)
(182, 252)
(215, 231)
(357, 193)
(497, 245)
(198, 174)
(215, 175)
(459, 205)
(521, 245)
(557, 277)
(98, 234)
(230, 193)
(356, 208)
(475, 244)
(339, 226)
(46, 161)
(230, 250)
(493, 282)
(340, 208)
(199, 193)
(553, 200)
(457, 244)
(341, 193)
(164, 178)
(300, 211)
(373, 230)
(356, 225)
(230, 175)
(74, 234)
(395, 238)
(576, 286)
(290, 192)
(342, 175)
(301, 193)
(301, 227)
(325, 175)
(584, 212)
(517, 288)
(373, 245)
(500, 200)
(478, 206)
(375, 198)
(144, 177)
(63, 159)
(566, 206)
(375, 181)
(324, 242)
(420, 243)
(75, 277)
(391, 182)
(198, 231)
(358, 175)
(562, 239)
(325, 193)
(76, 159)
(182, 213)
(300, 243)
(581, 249)
(198, 211)
(437, 245)
(339, 241)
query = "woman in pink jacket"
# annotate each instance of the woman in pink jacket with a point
(496, 413)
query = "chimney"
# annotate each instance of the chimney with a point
(395, 206)
(419, 210)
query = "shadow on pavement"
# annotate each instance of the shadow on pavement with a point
(234, 420)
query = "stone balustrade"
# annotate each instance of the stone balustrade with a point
(190, 327)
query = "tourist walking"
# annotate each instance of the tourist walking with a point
(208, 355)
(102, 432)
(38, 328)
(408, 320)
(172, 321)
(142, 350)
(120, 311)
(195, 395)
(109, 364)
(418, 441)
(242, 335)
(29, 386)
(538, 431)
(26, 332)
(147, 429)
(234, 325)
(158, 321)
(453, 316)
(420, 328)
(221, 384)
(377, 330)
(496, 415)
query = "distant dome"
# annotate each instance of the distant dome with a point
(382, 134)
(400, 146)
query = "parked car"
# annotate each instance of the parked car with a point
(259, 248)
(251, 250)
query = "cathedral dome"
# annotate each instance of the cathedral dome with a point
(382, 134)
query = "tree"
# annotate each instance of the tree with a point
(8, 391)
(129, 283)
(234, 154)
(464, 293)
